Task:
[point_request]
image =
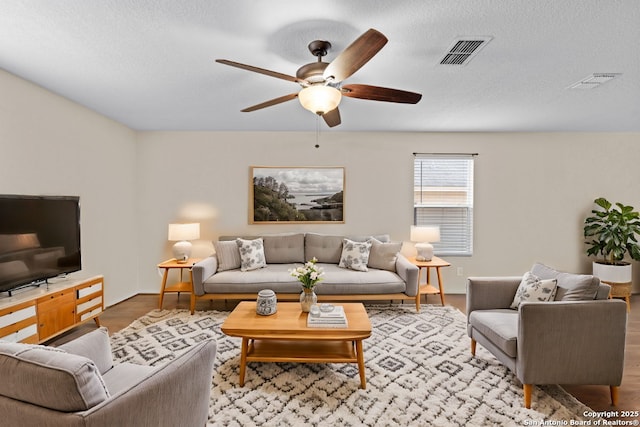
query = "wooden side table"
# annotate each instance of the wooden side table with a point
(182, 285)
(428, 288)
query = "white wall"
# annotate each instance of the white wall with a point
(52, 146)
(533, 191)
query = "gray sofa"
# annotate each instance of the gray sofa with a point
(576, 337)
(77, 384)
(388, 276)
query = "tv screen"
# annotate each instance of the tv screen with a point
(39, 238)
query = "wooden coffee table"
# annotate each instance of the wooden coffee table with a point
(285, 337)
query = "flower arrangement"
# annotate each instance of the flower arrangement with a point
(309, 274)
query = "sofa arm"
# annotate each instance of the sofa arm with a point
(201, 271)
(409, 273)
(487, 293)
(571, 342)
(152, 401)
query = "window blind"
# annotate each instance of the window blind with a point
(443, 196)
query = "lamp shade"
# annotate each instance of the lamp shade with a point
(319, 99)
(179, 232)
(425, 234)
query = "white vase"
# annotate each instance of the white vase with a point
(307, 299)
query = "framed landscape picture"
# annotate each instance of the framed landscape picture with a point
(296, 195)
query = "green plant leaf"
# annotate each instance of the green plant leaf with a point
(603, 203)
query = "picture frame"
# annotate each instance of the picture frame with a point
(290, 195)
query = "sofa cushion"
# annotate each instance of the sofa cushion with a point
(355, 255)
(125, 375)
(228, 255)
(533, 288)
(273, 276)
(324, 248)
(336, 281)
(343, 281)
(95, 346)
(383, 256)
(284, 248)
(571, 287)
(499, 326)
(251, 254)
(50, 377)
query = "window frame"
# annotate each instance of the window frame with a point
(453, 210)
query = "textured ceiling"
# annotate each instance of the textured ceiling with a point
(150, 63)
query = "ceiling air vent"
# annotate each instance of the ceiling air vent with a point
(463, 49)
(594, 80)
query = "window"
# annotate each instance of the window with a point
(443, 196)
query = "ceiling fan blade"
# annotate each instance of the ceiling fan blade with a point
(355, 55)
(332, 118)
(377, 93)
(260, 70)
(271, 102)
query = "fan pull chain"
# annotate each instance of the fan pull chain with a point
(317, 130)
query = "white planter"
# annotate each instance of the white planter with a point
(613, 273)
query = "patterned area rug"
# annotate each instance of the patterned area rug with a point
(418, 365)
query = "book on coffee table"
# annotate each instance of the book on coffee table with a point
(335, 318)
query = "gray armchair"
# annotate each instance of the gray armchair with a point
(77, 384)
(578, 339)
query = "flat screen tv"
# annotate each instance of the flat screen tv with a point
(39, 239)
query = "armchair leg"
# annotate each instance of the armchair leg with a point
(473, 347)
(527, 395)
(614, 394)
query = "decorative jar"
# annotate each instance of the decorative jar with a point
(266, 304)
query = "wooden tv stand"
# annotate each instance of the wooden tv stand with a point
(39, 314)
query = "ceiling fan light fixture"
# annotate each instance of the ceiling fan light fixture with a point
(319, 99)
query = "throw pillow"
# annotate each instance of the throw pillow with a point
(228, 255)
(95, 346)
(355, 255)
(571, 287)
(533, 288)
(383, 255)
(577, 287)
(251, 254)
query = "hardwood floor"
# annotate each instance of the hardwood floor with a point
(122, 314)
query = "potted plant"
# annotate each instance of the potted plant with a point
(611, 234)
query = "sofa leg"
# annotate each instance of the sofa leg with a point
(473, 347)
(527, 395)
(614, 394)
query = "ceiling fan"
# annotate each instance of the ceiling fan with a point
(321, 82)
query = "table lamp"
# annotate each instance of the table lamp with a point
(424, 236)
(181, 234)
